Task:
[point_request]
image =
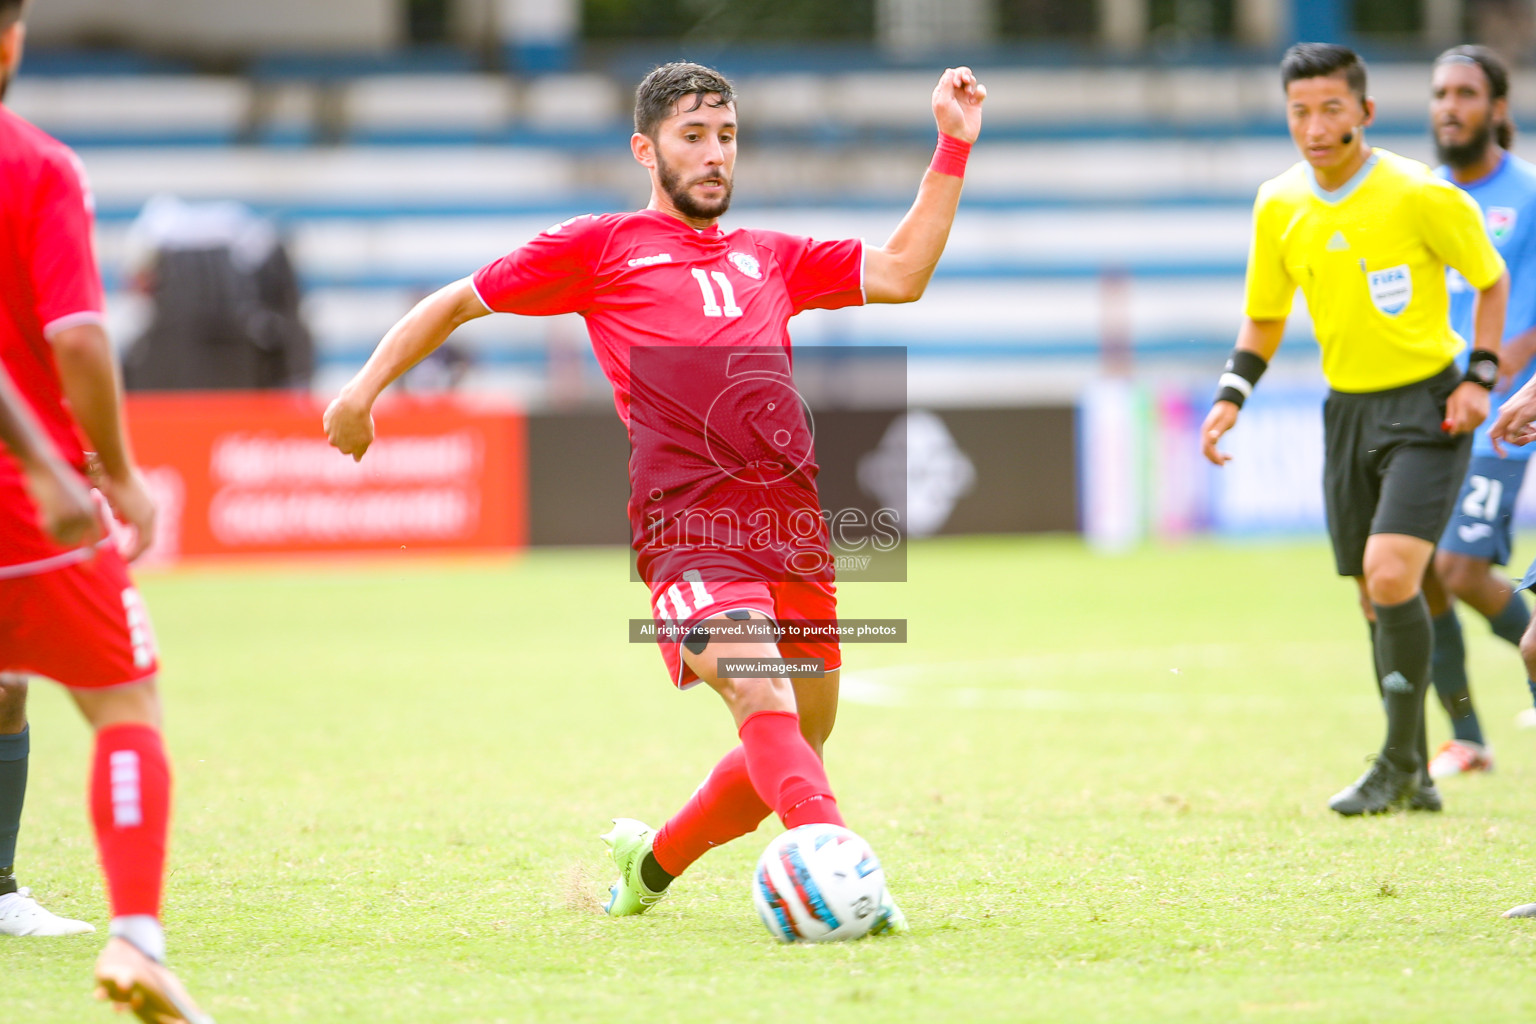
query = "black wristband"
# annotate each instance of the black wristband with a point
(1238, 377)
(1482, 368)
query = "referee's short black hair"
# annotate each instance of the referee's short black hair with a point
(1321, 60)
(658, 94)
(10, 12)
(1495, 71)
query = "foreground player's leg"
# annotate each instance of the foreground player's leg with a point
(20, 913)
(130, 801)
(784, 770)
(776, 768)
(1394, 567)
(1528, 639)
(727, 805)
(1473, 580)
(724, 807)
(1528, 654)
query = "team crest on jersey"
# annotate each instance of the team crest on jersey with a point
(747, 264)
(1501, 221)
(1391, 289)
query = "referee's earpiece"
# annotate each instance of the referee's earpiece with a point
(1347, 137)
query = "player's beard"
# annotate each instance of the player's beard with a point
(681, 198)
(1463, 154)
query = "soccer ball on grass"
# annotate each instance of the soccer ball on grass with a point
(818, 883)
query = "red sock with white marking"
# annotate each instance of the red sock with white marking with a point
(785, 771)
(131, 811)
(724, 807)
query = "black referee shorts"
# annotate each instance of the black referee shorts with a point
(1389, 468)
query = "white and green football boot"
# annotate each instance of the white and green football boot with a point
(891, 920)
(630, 841)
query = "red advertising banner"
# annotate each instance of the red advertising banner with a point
(241, 473)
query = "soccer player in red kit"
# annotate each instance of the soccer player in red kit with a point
(70, 612)
(66, 512)
(678, 311)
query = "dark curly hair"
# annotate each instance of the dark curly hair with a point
(658, 94)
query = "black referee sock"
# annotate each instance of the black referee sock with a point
(1404, 638)
(1375, 653)
(1423, 738)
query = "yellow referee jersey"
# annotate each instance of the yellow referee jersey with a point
(1370, 258)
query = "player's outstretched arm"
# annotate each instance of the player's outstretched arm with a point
(1516, 421)
(1258, 338)
(88, 371)
(899, 270)
(349, 419)
(68, 515)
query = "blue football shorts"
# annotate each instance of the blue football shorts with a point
(1482, 524)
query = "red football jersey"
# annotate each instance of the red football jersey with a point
(48, 281)
(691, 328)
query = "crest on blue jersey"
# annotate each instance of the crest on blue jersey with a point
(1391, 289)
(1501, 221)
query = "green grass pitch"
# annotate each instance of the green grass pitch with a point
(1098, 786)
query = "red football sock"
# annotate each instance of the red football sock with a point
(131, 810)
(785, 771)
(723, 808)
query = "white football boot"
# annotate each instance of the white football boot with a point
(20, 915)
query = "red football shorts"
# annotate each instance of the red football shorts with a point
(680, 605)
(83, 625)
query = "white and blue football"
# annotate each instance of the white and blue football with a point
(818, 883)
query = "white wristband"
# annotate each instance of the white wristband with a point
(1236, 383)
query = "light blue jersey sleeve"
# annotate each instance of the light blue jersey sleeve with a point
(1507, 198)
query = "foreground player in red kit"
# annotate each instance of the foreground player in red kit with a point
(675, 308)
(70, 612)
(65, 510)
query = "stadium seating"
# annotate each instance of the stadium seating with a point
(1116, 206)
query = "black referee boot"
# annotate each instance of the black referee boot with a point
(1382, 787)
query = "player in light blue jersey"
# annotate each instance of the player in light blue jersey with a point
(1469, 115)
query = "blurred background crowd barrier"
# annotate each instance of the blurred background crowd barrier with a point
(332, 163)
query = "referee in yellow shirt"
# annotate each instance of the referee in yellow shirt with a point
(1367, 235)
